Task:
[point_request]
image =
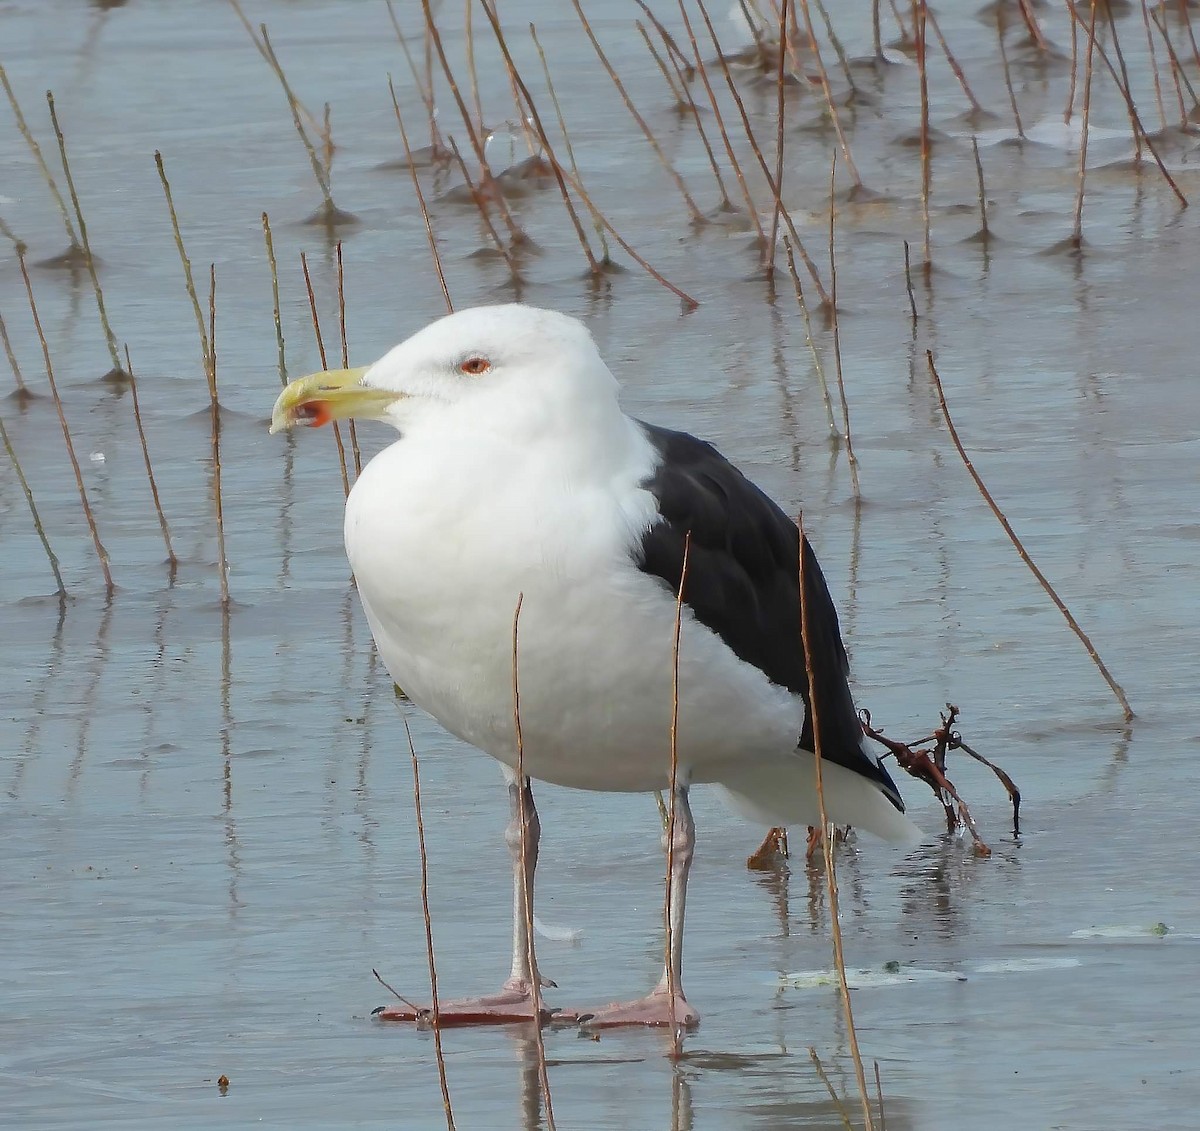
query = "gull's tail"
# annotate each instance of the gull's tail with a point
(783, 791)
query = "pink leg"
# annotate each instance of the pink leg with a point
(655, 1007)
(514, 1001)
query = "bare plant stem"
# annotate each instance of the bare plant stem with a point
(827, 839)
(36, 150)
(824, 1078)
(189, 281)
(9, 234)
(779, 110)
(762, 163)
(101, 552)
(435, 1007)
(837, 334)
(172, 560)
(1074, 73)
(424, 88)
(983, 218)
(1077, 231)
(1133, 113)
(662, 65)
(481, 204)
(594, 266)
(1177, 70)
(316, 321)
(919, 10)
(341, 297)
(266, 225)
(51, 557)
(1114, 686)
(751, 208)
(696, 216)
(976, 108)
(672, 989)
(687, 300)
(320, 171)
(535, 978)
(606, 253)
(1008, 83)
(1158, 96)
(22, 389)
(214, 409)
(89, 259)
(827, 91)
(437, 259)
(811, 338)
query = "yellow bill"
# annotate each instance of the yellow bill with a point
(334, 394)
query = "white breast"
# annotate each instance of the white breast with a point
(442, 546)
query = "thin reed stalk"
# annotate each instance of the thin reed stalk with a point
(172, 560)
(341, 297)
(433, 248)
(739, 175)
(1077, 230)
(437, 149)
(687, 300)
(762, 162)
(189, 281)
(535, 978)
(23, 392)
(101, 552)
(1133, 113)
(1019, 546)
(11, 236)
(316, 321)
(827, 91)
(275, 309)
(74, 251)
(827, 839)
(1123, 82)
(843, 1114)
(779, 112)
(1178, 74)
(680, 103)
(89, 260)
(1008, 83)
(435, 1004)
(680, 64)
(851, 458)
(811, 338)
(214, 411)
(838, 49)
(481, 204)
(919, 10)
(984, 231)
(672, 989)
(697, 217)
(606, 252)
(595, 267)
(1158, 95)
(953, 63)
(51, 556)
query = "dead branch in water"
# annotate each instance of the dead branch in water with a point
(929, 766)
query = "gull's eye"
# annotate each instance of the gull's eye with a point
(474, 366)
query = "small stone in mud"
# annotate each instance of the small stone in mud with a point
(222, 1084)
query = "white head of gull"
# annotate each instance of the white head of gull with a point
(517, 477)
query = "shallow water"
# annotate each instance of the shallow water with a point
(208, 819)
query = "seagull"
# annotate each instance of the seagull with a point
(523, 514)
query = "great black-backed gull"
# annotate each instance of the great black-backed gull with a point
(518, 476)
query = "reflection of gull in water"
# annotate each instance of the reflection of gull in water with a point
(520, 484)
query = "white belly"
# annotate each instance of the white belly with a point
(439, 581)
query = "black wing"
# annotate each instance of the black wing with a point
(743, 582)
